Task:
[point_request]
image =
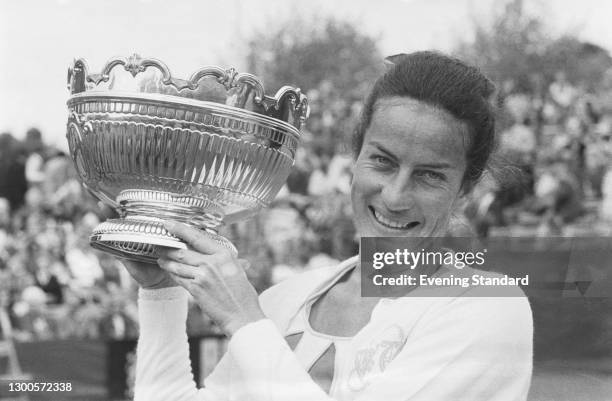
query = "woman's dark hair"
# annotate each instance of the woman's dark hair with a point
(447, 83)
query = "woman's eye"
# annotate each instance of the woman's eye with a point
(381, 160)
(431, 175)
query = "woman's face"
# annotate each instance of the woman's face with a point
(408, 174)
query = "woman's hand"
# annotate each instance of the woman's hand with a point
(214, 276)
(148, 276)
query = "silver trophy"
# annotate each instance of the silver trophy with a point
(206, 151)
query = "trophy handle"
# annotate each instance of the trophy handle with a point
(77, 76)
(75, 133)
(287, 102)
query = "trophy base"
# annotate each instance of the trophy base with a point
(140, 239)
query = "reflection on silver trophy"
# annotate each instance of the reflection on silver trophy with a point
(206, 151)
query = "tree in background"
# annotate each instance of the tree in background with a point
(331, 60)
(518, 52)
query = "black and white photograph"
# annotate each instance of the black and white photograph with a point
(321, 200)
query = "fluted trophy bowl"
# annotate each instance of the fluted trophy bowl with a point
(209, 150)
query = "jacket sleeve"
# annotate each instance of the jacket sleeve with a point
(163, 368)
(478, 349)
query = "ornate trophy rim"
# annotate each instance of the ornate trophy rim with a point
(240, 88)
(174, 101)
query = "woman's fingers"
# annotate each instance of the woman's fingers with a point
(178, 269)
(197, 239)
(147, 275)
(185, 256)
(183, 282)
(193, 258)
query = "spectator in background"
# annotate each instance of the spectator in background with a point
(13, 184)
(120, 317)
(562, 91)
(557, 191)
(5, 216)
(339, 173)
(319, 183)
(599, 155)
(65, 196)
(518, 142)
(606, 205)
(604, 145)
(297, 182)
(285, 236)
(518, 147)
(35, 150)
(32, 321)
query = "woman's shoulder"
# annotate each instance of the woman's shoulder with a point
(491, 302)
(482, 298)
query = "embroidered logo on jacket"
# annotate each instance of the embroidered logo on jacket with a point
(374, 359)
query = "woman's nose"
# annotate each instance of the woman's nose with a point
(398, 195)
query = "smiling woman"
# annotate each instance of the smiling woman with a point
(409, 170)
(425, 136)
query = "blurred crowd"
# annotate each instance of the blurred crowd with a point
(52, 283)
(552, 176)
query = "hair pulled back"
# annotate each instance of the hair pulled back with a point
(444, 82)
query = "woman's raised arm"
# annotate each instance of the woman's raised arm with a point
(163, 369)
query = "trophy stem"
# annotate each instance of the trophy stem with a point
(156, 205)
(140, 230)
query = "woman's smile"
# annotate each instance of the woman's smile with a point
(392, 223)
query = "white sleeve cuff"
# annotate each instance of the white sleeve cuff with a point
(162, 313)
(162, 294)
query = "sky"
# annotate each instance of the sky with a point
(39, 38)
